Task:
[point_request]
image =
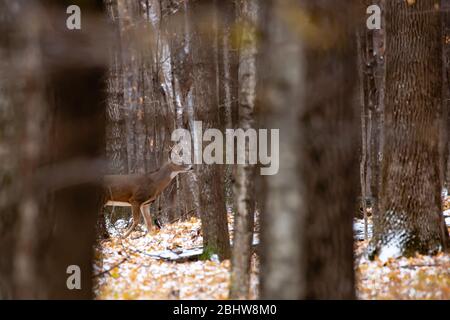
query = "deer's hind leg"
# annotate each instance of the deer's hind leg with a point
(135, 209)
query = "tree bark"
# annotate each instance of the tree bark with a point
(445, 131)
(328, 160)
(307, 240)
(23, 135)
(371, 53)
(278, 88)
(116, 147)
(56, 192)
(376, 90)
(212, 204)
(410, 209)
(244, 189)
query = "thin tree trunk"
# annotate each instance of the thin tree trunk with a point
(182, 68)
(244, 189)
(371, 53)
(212, 203)
(362, 46)
(376, 77)
(116, 148)
(129, 26)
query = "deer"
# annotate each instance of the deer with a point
(140, 190)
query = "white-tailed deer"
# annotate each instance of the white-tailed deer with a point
(139, 190)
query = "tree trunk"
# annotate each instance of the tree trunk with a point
(228, 62)
(307, 222)
(328, 160)
(445, 148)
(363, 166)
(212, 203)
(244, 189)
(410, 209)
(181, 60)
(371, 53)
(57, 196)
(116, 147)
(376, 90)
(279, 91)
(23, 132)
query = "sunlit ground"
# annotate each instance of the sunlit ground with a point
(126, 270)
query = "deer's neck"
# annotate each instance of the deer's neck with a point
(164, 175)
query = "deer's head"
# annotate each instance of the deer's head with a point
(176, 164)
(178, 168)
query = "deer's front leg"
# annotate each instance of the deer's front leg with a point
(145, 209)
(135, 209)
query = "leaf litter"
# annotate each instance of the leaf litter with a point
(124, 269)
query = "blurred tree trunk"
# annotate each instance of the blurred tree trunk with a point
(307, 222)
(365, 122)
(56, 189)
(410, 209)
(278, 90)
(244, 189)
(329, 156)
(22, 128)
(210, 177)
(76, 79)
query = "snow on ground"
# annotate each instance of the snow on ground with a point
(125, 269)
(420, 277)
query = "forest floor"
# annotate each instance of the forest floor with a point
(128, 269)
(131, 269)
(419, 277)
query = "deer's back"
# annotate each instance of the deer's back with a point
(126, 188)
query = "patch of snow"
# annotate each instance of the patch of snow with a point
(116, 228)
(392, 249)
(121, 224)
